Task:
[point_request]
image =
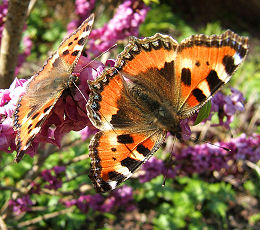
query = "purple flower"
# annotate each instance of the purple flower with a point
(27, 43)
(59, 169)
(20, 205)
(83, 10)
(226, 106)
(123, 198)
(84, 7)
(54, 180)
(125, 23)
(152, 168)
(206, 158)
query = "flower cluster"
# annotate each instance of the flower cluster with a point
(8, 100)
(153, 168)
(226, 106)
(27, 47)
(83, 9)
(21, 204)
(121, 198)
(126, 21)
(54, 181)
(207, 158)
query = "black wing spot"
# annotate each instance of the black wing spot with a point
(81, 41)
(186, 76)
(76, 38)
(75, 53)
(207, 63)
(125, 139)
(66, 52)
(35, 115)
(46, 109)
(70, 43)
(112, 175)
(130, 163)
(142, 150)
(113, 149)
(114, 158)
(200, 96)
(87, 28)
(38, 123)
(228, 62)
(213, 81)
(197, 63)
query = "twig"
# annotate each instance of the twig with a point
(2, 224)
(11, 37)
(45, 217)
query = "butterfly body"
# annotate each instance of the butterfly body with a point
(155, 84)
(47, 86)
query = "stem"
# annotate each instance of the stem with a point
(12, 34)
(45, 217)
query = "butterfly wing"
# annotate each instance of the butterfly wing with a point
(127, 138)
(149, 63)
(45, 88)
(111, 106)
(116, 154)
(203, 64)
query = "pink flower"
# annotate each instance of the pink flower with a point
(21, 204)
(125, 22)
(8, 100)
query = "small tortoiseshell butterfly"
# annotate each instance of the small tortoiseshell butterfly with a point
(155, 84)
(46, 87)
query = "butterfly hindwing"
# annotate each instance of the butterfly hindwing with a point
(45, 88)
(116, 155)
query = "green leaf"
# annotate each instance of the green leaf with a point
(148, 2)
(254, 218)
(203, 113)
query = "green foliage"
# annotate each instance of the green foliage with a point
(186, 202)
(203, 113)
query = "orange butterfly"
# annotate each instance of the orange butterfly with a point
(155, 84)
(47, 86)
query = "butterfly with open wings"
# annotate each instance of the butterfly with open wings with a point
(155, 84)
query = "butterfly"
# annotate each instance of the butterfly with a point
(47, 86)
(155, 84)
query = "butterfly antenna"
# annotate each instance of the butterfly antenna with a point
(169, 162)
(80, 91)
(97, 57)
(85, 66)
(207, 142)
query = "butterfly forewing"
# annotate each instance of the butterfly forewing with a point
(45, 88)
(149, 63)
(204, 64)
